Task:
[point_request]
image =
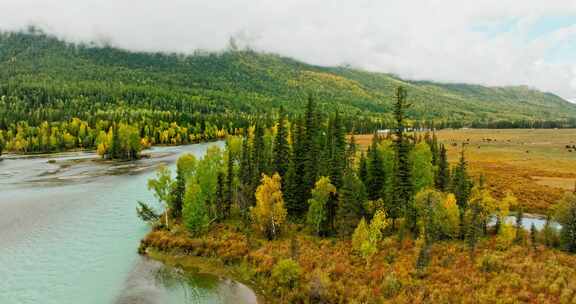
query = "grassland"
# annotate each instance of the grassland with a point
(537, 165)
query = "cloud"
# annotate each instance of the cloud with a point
(491, 42)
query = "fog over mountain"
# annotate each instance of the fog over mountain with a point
(493, 42)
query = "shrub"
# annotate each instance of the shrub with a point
(391, 286)
(286, 273)
(490, 263)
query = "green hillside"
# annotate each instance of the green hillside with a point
(48, 75)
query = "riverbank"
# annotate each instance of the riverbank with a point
(329, 272)
(68, 234)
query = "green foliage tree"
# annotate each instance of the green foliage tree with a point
(366, 237)
(317, 217)
(230, 185)
(162, 186)
(422, 169)
(195, 212)
(221, 202)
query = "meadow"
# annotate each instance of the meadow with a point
(537, 165)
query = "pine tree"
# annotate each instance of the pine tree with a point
(246, 197)
(533, 236)
(295, 191)
(310, 148)
(281, 152)
(185, 167)
(291, 193)
(519, 227)
(351, 152)
(363, 169)
(474, 228)
(433, 143)
(115, 148)
(376, 174)
(338, 154)
(461, 184)
(351, 196)
(403, 189)
(258, 155)
(245, 162)
(443, 174)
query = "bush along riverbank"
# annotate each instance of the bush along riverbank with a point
(300, 268)
(299, 212)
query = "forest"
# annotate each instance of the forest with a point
(302, 213)
(57, 95)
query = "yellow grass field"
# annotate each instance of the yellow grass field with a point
(538, 165)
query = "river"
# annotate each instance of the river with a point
(69, 234)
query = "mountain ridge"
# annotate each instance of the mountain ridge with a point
(252, 82)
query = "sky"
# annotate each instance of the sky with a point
(488, 42)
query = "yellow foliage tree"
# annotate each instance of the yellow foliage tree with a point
(269, 213)
(452, 215)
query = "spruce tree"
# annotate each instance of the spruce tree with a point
(115, 148)
(519, 227)
(245, 162)
(351, 152)
(310, 148)
(402, 188)
(443, 174)
(338, 151)
(376, 174)
(352, 196)
(435, 149)
(246, 197)
(474, 229)
(258, 155)
(363, 169)
(533, 236)
(295, 191)
(461, 184)
(281, 152)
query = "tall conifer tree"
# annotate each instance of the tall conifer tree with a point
(443, 174)
(376, 174)
(281, 152)
(403, 189)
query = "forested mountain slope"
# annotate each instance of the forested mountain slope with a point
(52, 79)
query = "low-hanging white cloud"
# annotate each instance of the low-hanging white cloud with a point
(418, 39)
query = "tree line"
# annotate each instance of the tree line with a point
(307, 171)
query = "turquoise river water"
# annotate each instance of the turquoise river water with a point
(69, 234)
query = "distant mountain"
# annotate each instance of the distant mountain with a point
(44, 70)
